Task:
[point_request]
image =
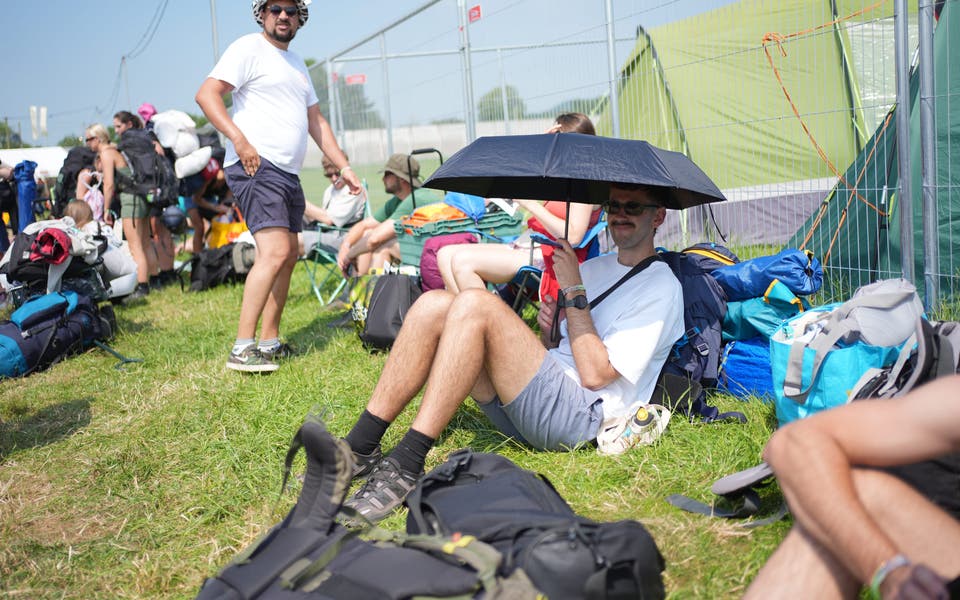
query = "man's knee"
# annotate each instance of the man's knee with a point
(478, 305)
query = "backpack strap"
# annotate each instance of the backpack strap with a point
(837, 326)
(640, 266)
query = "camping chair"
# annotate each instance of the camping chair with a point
(320, 261)
(524, 288)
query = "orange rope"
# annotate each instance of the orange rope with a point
(779, 39)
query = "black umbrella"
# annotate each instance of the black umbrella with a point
(572, 167)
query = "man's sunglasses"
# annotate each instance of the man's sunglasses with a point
(632, 209)
(91, 138)
(291, 11)
(331, 174)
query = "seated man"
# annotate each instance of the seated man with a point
(373, 241)
(856, 525)
(339, 208)
(473, 344)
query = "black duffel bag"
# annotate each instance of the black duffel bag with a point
(519, 513)
(393, 295)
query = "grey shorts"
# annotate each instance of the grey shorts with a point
(551, 413)
(271, 198)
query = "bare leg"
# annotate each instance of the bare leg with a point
(803, 568)
(483, 344)
(137, 232)
(163, 242)
(197, 222)
(413, 352)
(476, 265)
(445, 266)
(274, 248)
(273, 309)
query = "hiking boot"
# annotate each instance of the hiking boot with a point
(280, 352)
(250, 360)
(639, 429)
(363, 464)
(327, 478)
(383, 491)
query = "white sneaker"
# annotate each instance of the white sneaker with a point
(641, 428)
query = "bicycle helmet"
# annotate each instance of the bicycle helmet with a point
(257, 6)
(174, 219)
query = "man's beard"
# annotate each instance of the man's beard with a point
(284, 38)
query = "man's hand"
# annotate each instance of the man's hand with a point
(352, 181)
(249, 157)
(548, 306)
(565, 265)
(343, 260)
(913, 582)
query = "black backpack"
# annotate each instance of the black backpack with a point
(694, 361)
(393, 295)
(520, 514)
(309, 555)
(153, 175)
(78, 158)
(213, 267)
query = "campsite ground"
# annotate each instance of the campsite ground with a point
(138, 483)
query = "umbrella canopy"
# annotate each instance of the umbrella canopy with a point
(570, 166)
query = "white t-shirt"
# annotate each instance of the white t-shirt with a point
(272, 91)
(342, 206)
(638, 323)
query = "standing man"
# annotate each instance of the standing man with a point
(274, 107)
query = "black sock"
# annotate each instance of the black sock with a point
(412, 450)
(365, 435)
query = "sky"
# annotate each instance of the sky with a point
(68, 55)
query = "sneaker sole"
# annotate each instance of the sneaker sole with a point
(253, 368)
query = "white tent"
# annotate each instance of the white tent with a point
(48, 159)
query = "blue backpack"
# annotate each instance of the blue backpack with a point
(48, 328)
(693, 364)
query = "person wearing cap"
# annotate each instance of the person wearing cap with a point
(373, 241)
(275, 107)
(857, 525)
(146, 112)
(339, 210)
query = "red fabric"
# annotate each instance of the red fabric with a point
(51, 246)
(548, 280)
(430, 278)
(210, 171)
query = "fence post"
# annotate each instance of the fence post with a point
(928, 158)
(902, 40)
(613, 73)
(503, 93)
(386, 93)
(467, 71)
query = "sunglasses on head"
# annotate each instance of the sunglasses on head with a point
(632, 209)
(276, 9)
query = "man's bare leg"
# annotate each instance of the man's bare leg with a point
(801, 567)
(277, 299)
(484, 344)
(273, 248)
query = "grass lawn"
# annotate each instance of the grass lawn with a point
(141, 482)
(138, 483)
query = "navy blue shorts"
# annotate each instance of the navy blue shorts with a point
(271, 198)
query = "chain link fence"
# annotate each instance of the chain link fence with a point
(786, 104)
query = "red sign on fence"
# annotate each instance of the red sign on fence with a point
(474, 13)
(356, 79)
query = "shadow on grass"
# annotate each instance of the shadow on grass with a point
(317, 334)
(45, 426)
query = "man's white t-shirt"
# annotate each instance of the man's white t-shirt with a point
(343, 207)
(638, 323)
(272, 91)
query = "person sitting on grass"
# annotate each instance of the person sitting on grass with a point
(373, 241)
(856, 525)
(472, 343)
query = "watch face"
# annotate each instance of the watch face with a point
(579, 302)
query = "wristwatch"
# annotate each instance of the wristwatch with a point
(579, 301)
